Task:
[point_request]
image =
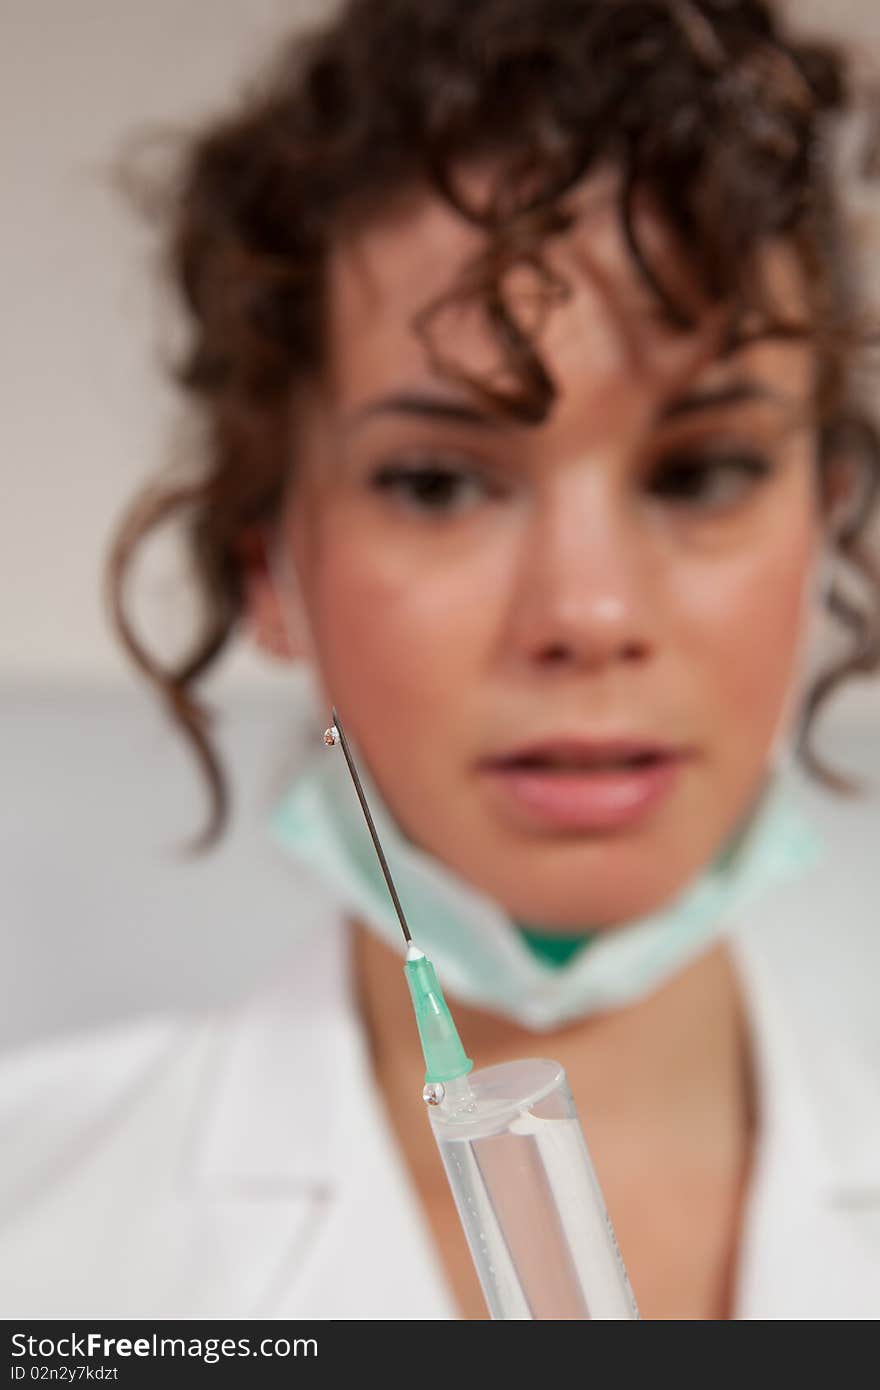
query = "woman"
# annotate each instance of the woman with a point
(525, 343)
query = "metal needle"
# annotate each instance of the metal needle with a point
(329, 739)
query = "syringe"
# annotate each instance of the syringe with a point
(523, 1181)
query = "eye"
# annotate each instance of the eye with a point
(713, 480)
(429, 486)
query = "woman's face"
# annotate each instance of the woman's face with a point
(633, 568)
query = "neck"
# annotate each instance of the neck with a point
(674, 1064)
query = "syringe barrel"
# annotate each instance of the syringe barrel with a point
(528, 1196)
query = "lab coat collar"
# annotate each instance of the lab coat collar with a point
(845, 1114)
(294, 1112)
(284, 1059)
(817, 1069)
(299, 1036)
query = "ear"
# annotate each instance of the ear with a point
(275, 622)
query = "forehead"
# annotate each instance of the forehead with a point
(388, 270)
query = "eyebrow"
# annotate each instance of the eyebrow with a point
(431, 407)
(422, 404)
(733, 393)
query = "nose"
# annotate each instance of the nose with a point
(586, 593)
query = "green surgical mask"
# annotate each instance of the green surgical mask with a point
(489, 960)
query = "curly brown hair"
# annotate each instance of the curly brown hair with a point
(710, 106)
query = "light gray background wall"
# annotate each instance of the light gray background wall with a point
(86, 410)
(96, 920)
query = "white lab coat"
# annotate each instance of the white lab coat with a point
(239, 1164)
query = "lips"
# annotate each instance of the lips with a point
(582, 784)
(582, 754)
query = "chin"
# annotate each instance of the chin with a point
(593, 910)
